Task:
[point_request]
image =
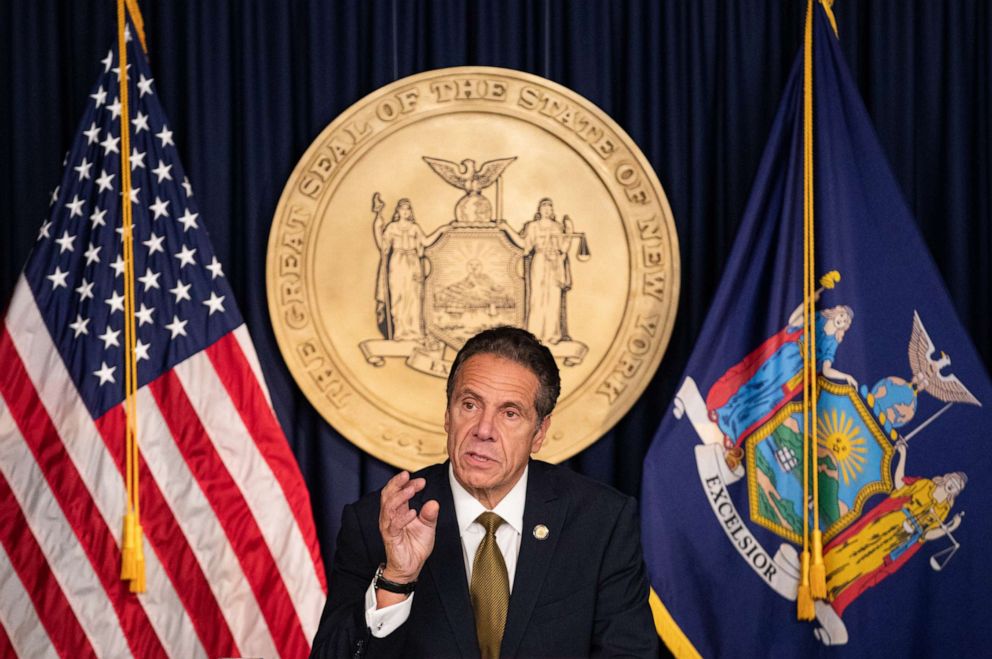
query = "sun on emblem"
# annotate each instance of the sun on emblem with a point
(840, 436)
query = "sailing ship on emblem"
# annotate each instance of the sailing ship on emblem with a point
(435, 290)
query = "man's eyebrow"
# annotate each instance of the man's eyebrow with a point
(467, 391)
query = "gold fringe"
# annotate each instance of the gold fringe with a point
(127, 549)
(138, 581)
(804, 601)
(817, 571)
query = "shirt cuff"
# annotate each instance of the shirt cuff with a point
(386, 620)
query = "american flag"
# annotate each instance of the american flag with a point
(232, 559)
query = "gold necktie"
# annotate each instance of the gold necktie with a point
(490, 588)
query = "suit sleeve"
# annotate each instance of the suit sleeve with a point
(623, 625)
(343, 631)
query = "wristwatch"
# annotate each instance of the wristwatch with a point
(380, 581)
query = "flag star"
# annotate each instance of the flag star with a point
(100, 96)
(65, 242)
(188, 220)
(118, 266)
(116, 302)
(85, 290)
(65, 159)
(177, 327)
(166, 136)
(105, 182)
(154, 244)
(84, 169)
(92, 254)
(141, 350)
(105, 373)
(75, 206)
(133, 194)
(159, 207)
(109, 338)
(144, 315)
(140, 122)
(145, 85)
(96, 218)
(185, 256)
(117, 70)
(79, 327)
(92, 134)
(214, 303)
(215, 268)
(181, 291)
(115, 108)
(58, 278)
(55, 195)
(162, 171)
(187, 187)
(150, 279)
(107, 61)
(43, 233)
(110, 144)
(137, 159)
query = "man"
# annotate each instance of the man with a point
(490, 553)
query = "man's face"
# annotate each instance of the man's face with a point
(492, 425)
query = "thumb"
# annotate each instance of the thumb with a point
(429, 512)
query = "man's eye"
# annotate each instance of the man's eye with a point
(512, 414)
(468, 405)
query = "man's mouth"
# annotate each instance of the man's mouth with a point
(478, 458)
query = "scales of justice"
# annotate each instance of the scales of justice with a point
(435, 290)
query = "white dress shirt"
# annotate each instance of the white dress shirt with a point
(467, 508)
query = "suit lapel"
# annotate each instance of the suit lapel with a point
(446, 566)
(544, 506)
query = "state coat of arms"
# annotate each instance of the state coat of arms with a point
(873, 515)
(434, 291)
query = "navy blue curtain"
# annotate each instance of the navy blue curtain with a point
(248, 85)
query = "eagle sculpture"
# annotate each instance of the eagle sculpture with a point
(465, 176)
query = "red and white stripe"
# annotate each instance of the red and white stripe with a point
(232, 560)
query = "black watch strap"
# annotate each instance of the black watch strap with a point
(380, 582)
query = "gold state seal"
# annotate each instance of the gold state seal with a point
(456, 200)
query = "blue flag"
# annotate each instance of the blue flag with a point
(904, 416)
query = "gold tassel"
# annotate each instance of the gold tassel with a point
(138, 580)
(127, 550)
(804, 601)
(818, 571)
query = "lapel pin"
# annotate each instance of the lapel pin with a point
(541, 532)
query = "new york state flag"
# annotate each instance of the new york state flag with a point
(903, 419)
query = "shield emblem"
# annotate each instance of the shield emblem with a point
(853, 463)
(475, 281)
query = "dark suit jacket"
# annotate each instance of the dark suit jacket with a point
(582, 591)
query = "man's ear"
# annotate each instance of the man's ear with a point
(539, 434)
(447, 421)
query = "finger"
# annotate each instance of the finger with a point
(429, 513)
(398, 498)
(395, 483)
(388, 501)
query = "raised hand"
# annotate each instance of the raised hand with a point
(407, 535)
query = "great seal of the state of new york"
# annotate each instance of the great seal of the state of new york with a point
(452, 201)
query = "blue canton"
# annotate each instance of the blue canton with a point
(183, 302)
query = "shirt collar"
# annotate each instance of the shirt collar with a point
(468, 508)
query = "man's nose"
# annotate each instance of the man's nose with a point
(486, 429)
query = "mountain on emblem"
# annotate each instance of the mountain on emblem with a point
(475, 271)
